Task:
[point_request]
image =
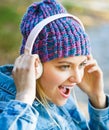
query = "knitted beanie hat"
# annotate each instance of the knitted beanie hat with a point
(61, 38)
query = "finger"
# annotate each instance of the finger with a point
(89, 57)
(16, 63)
(93, 69)
(91, 62)
(18, 60)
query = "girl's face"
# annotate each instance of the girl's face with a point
(60, 75)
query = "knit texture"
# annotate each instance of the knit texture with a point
(63, 37)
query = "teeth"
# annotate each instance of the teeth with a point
(67, 87)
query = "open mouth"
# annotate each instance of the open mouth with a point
(65, 91)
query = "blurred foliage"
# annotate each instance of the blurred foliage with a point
(72, 7)
(11, 13)
(8, 25)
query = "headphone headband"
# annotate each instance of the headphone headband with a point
(36, 30)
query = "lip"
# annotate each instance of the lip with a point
(64, 88)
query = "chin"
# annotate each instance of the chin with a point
(60, 103)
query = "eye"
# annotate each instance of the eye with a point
(64, 67)
(83, 64)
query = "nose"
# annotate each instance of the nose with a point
(76, 76)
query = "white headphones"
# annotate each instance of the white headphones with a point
(36, 30)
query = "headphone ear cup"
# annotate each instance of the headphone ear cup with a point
(39, 70)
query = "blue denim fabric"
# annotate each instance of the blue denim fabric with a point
(16, 115)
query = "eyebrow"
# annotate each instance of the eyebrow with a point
(63, 62)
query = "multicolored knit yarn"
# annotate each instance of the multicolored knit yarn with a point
(63, 37)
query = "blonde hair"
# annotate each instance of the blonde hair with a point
(40, 94)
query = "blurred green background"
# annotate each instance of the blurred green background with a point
(11, 12)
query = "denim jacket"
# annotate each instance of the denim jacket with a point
(16, 115)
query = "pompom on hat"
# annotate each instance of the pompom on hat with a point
(62, 37)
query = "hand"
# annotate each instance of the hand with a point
(92, 83)
(24, 74)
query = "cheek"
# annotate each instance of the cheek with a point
(53, 77)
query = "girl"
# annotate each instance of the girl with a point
(37, 96)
